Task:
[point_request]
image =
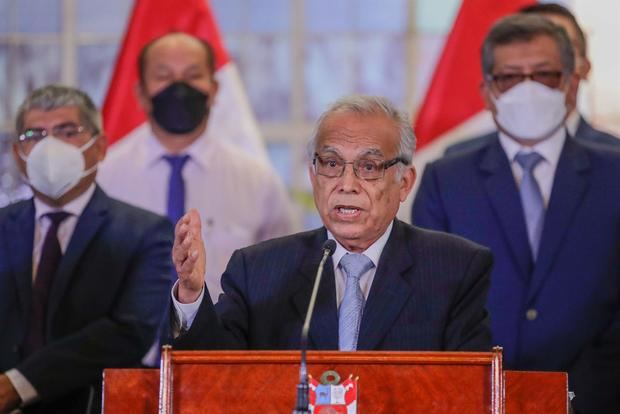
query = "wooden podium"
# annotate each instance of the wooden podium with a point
(259, 382)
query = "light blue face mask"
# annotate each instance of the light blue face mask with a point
(54, 167)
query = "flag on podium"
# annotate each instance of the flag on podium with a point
(231, 116)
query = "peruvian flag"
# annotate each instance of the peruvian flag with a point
(231, 115)
(452, 109)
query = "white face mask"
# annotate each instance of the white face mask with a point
(530, 111)
(55, 167)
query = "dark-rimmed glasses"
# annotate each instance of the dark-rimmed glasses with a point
(505, 81)
(364, 168)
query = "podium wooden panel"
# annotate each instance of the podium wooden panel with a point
(390, 382)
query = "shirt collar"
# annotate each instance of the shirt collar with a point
(373, 252)
(550, 148)
(74, 207)
(200, 151)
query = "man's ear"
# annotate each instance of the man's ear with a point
(487, 96)
(143, 98)
(215, 86)
(584, 70)
(571, 93)
(407, 181)
(102, 146)
(21, 165)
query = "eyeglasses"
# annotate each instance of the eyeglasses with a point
(66, 132)
(364, 168)
(505, 81)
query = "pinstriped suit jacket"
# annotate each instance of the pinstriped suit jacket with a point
(428, 294)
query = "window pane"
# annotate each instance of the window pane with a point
(38, 16)
(32, 66)
(266, 72)
(231, 15)
(435, 17)
(428, 50)
(95, 64)
(386, 16)
(269, 16)
(329, 15)
(328, 65)
(5, 93)
(381, 70)
(103, 16)
(282, 160)
(6, 16)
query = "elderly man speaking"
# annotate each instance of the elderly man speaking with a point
(391, 286)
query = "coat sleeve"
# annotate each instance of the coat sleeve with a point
(225, 325)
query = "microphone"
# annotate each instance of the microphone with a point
(329, 247)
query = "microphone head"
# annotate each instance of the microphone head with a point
(329, 246)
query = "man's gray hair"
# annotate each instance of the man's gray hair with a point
(370, 105)
(523, 28)
(53, 97)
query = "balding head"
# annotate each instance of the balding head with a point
(176, 40)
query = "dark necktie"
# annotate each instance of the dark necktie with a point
(176, 187)
(531, 199)
(48, 264)
(352, 306)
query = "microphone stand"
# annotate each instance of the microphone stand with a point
(301, 406)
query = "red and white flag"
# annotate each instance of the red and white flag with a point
(231, 116)
(453, 109)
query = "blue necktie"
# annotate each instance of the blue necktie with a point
(48, 264)
(176, 187)
(352, 306)
(531, 198)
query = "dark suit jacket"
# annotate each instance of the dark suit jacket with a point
(105, 304)
(572, 292)
(585, 133)
(428, 294)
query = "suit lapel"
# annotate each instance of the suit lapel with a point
(324, 326)
(569, 185)
(20, 236)
(506, 204)
(88, 224)
(390, 290)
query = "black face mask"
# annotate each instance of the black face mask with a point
(179, 108)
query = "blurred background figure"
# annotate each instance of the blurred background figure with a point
(176, 161)
(577, 126)
(547, 206)
(82, 276)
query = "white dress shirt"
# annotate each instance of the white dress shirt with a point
(544, 172)
(24, 388)
(241, 200)
(186, 312)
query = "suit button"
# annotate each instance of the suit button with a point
(531, 314)
(15, 348)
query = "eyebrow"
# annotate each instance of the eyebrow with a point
(368, 151)
(520, 68)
